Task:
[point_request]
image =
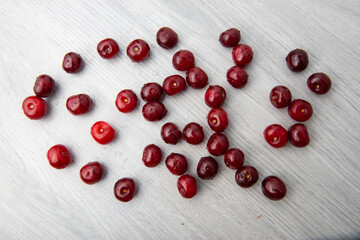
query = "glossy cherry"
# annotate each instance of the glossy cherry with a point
(174, 84)
(217, 144)
(242, 55)
(34, 107)
(102, 132)
(91, 172)
(166, 37)
(126, 101)
(207, 168)
(44, 86)
(72, 62)
(196, 78)
(79, 104)
(234, 158)
(218, 119)
(176, 163)
(215, 96)
(273, 188)
(152, 155)
(276, 135)
(298, 135)
(59, 156)
(170, 133)
(138, 50)
(183, 60)
(300, 110)
(108, 48)
(319, 83)
(124, 189)
(280, 96)
(193, 133)
(152, 91)
(154, 111)
(237, 77)
(230, 37)
(187, 186)
(297, 60)
(246, 176)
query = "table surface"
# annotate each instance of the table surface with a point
(40, 202)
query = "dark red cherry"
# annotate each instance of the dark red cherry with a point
(154, 111)
(273, 188)
(108, 48)
(217, 144)
(242, 55)
(187, 186)
(166, 37)
(102, 132)
(319, 83)
(92, 172)
(138, 50)
(174, 84)
(215, 96)
(300, 110)
(176, 163)
(196, 78)
(59, 156)
(152, 91)
(297, 60)
(124, 189)
(230, 38)
(170, 133)
(44, 86)
(207, 168)
(246, 176)
(237, 77)
(126, 101)
(276, 135)
(193, 133)
(79, 104)
(152, 155)
(234, 158)
(183, 60)
(298, 135)
(34, 107)
(218, 119)
(280, 97)
(72, 62)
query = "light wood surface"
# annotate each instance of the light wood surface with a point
(39, 202)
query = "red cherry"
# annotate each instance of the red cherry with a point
(79, 104)
(124, 189)
(34, 107)
(170, 133)
(242, 55)
(108, 48)
(217, 144)
(215, 96)
(217, 119)
(300, 110)
(297, 60)
(152, 155)
(154, 111)
(246, 176)
(44, 86)
(273, 188)
(176, 163)
(126, 101)
(193, 133)
(319, 83)
(237, 77)
(280, 97)
(234, 158)
(92, 172)
(72, 62)
(102, 132)
(207, 168)
(174, 84)
(151, 92)
(298, 135)
(276, 135)
(183, 60)
(59, 156)
(186, 185)
(138, 50)
(166, 37)
(230, 38)
(196, 78)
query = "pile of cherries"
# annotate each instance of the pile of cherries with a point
(59, 157)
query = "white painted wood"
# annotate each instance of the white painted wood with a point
(38, 202)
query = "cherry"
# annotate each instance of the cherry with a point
(297, 60)
(230, 38)
(152, 91)
(300, 110)
(280, 96)
(138, 50)
(237, 77)
(34, 107)
(217, 144)
(166, 37)
(59, 156)
(215, 96)
(108, 48)
(207, 168)
(92, 172)
(102, 132)
(273, 188)
(174, 84)
(242, 55)
(217, 119)
(44, 86)
(79, 104)
(193, 133)
(72, 62)
(186, 185)
(234, 158)
(246, 176)
(176, 163)
(126, 101)
(152, 155)
(298, 135)
(154, 111)
(276, 135)
(183, 60)
(319, 83)
(196, 78)
(124, 189)
(170, 133)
